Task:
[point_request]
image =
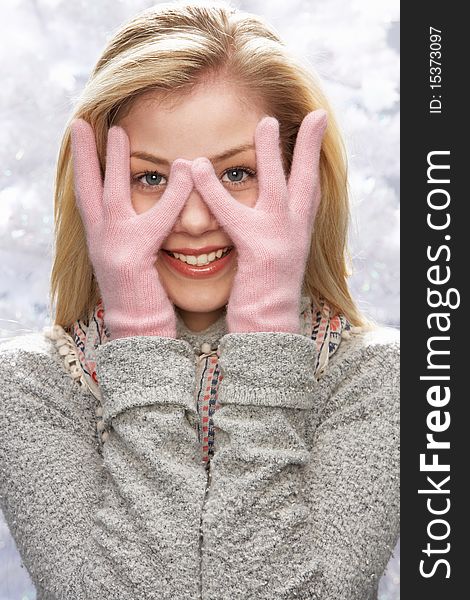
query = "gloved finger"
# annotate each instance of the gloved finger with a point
(117, 180)
(304, 179)
(88, 182)
(232, 215)
(162, 216)
(272, 196)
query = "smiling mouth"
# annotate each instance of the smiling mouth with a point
(200, 260)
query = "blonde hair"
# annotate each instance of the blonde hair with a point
(170, 48)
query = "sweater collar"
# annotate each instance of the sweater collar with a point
(211, 335)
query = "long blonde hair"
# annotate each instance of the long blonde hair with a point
(169, 48)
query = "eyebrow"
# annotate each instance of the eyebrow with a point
(219, 157)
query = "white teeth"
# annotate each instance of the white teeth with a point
(201, 259)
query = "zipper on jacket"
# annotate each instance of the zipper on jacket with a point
(201, 535)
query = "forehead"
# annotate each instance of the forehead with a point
(214, 116)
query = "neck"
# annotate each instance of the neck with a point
(198, 321)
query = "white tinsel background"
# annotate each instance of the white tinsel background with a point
(48, 50)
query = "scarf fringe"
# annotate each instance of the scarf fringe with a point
(67, 349)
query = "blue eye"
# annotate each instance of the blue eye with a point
(238, 175)
(153, 181)
(149, 180)
(153, 178)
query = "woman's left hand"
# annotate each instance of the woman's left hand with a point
(272, 238)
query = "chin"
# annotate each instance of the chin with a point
(199, 306)
(200, 301)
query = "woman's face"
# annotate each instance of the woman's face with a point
(215, 122)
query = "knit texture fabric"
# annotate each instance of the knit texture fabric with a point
(273, 237)
(318, 323)
(123, 245)
(301, 499)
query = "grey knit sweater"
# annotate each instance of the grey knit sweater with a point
(301, 500)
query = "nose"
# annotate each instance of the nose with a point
(195, 218)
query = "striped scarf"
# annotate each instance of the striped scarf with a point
(79, 353)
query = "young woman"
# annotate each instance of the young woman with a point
(209, 417)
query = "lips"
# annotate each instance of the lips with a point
(194, 271)
(196, 251)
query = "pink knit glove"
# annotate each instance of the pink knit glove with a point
(273, 238)
(122, 244)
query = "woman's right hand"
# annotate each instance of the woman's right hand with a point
(123, 245)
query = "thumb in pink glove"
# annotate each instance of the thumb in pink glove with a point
(122, 244)
(272, 238)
